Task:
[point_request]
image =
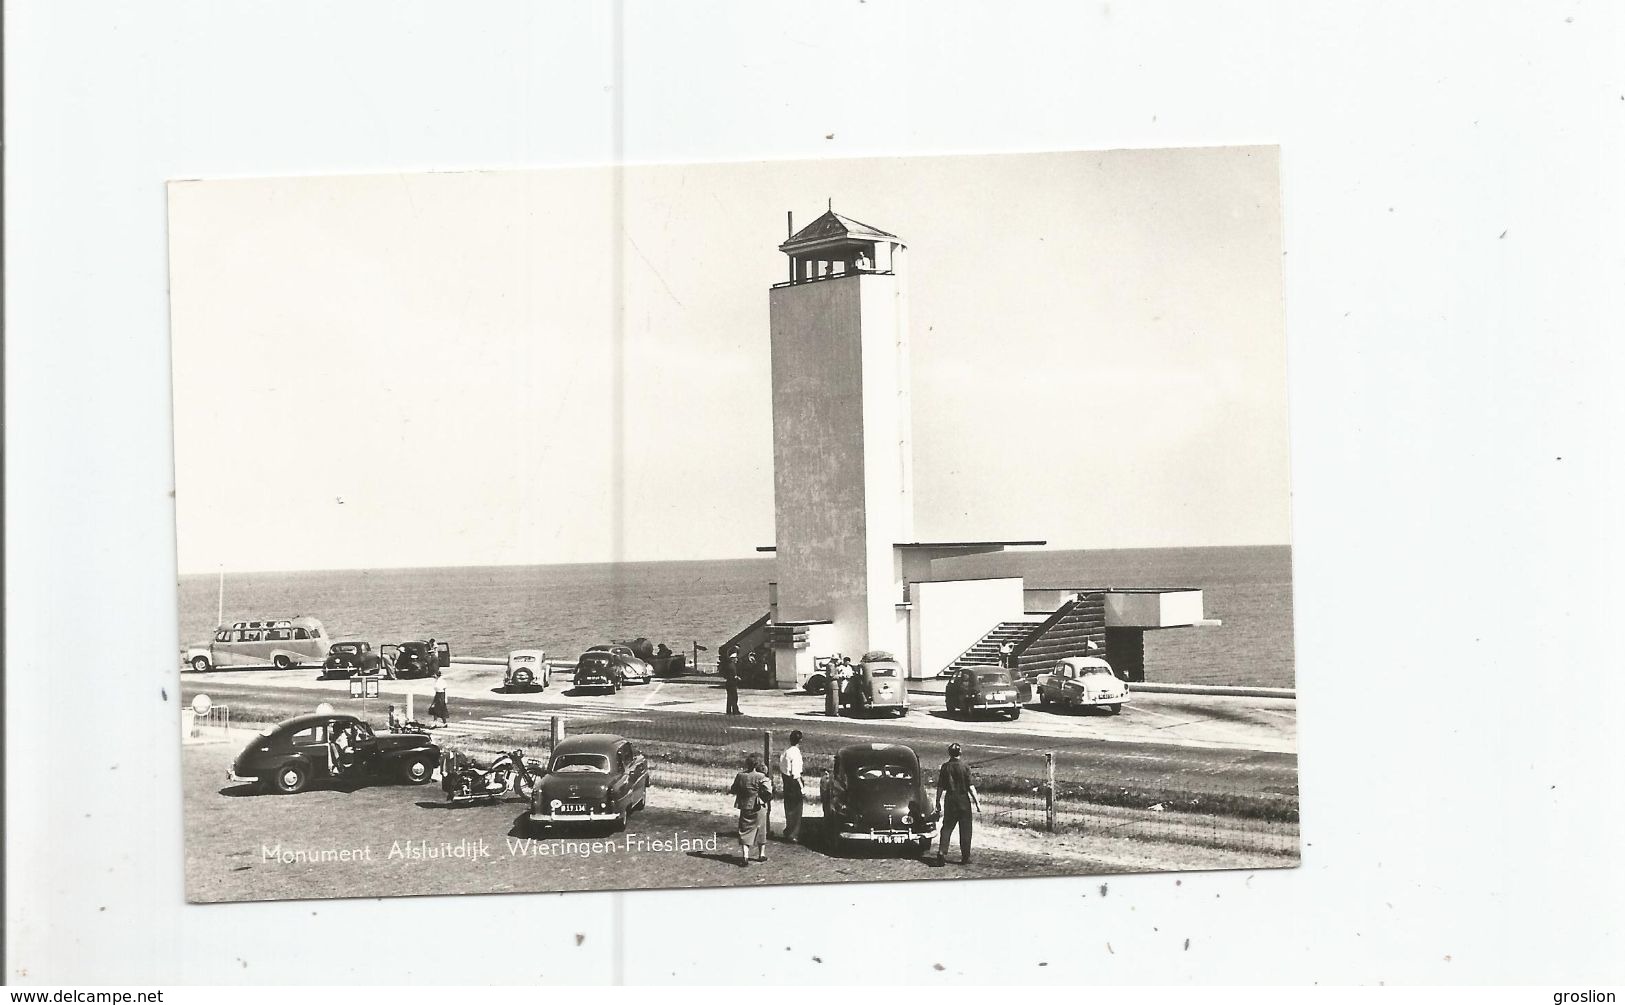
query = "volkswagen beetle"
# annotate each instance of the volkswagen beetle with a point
(289, 756)
(627, 665)
(1083, 682)
(875, 793)
(591, 778)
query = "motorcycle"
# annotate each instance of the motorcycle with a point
(465, 781)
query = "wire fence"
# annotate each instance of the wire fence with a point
(703, 753)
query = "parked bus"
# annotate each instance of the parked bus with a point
(282, 643)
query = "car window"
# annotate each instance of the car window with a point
(281, 634)
(574, 763)
(993, 677)
(883, 671)
(223, 636)
(300, 633)
(1097, 670)
(312, 734)
(875, 771)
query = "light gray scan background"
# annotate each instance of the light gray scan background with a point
(1451, 205)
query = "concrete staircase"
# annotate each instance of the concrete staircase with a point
(1067, 632)
(986, 649)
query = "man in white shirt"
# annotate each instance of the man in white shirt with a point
(790, 785)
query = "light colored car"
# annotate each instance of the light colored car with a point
(1083, 682)
(628, 666)
(527, 669)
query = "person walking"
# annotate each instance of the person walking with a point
(752, 790)
(1007, 656)
(437, 708)
(730, 679)
(790, 786)
(956, 794)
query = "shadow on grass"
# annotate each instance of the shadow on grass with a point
(717, 856)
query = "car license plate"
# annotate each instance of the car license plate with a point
(892, 838)
(573, 808)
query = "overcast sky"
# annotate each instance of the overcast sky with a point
(572, 365)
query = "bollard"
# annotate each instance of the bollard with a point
(1049, 792)
(557, 733)
(832, 707)
(408, 706)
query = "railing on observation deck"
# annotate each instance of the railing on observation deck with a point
(834, 275)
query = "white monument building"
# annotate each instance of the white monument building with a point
(851, 575)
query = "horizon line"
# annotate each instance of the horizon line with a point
(681, 561)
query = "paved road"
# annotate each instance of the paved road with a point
(1151, 740)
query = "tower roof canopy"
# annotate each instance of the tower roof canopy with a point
(833, 230)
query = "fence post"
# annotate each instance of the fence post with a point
(767, 752)
(557, 733)
(1049, 791)
(409, 715)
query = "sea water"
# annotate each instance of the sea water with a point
(563, 609)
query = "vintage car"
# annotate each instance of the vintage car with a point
(876, 684)
(1083, 682)
(596, 671)
(415, 658)
(875, 793)
(289, 756)
(591, 778)
(527, 670)
(349, 657)
(986, 688)
(630, 668)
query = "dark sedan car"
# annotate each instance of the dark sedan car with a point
(351, 656)
(875, 793)
(415, 657)
(596, 671)
(287, 757)
(983, 688)
(591, 778)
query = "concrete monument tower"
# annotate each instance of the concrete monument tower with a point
(851, 574)
(842, 457)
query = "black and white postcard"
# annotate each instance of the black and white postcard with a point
(707, 525)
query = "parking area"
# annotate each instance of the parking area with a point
(1196, 721)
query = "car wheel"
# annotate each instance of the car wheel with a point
(418, 770)
(1043, 699)
(281, 662)
(902, 711)
(1116, 709)
(1015, 713)
(291, 778)
(620, 820)
(200, 663)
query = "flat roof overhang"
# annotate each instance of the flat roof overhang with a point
(967, 547)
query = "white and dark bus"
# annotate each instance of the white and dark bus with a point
(280, 643)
